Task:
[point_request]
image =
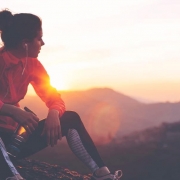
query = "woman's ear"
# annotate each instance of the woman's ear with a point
(25, 44)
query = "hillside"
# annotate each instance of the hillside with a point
(108, 114)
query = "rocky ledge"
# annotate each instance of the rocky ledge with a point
(36, 170)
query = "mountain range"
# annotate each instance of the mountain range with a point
(108, 114)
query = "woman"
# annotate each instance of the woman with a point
(22, 38)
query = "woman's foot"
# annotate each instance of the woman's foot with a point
(116, 176)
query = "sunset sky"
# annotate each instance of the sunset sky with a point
(131, 46)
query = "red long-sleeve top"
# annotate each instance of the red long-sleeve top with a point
(14, 83)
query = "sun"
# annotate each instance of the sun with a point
(58, 83)
(58, 78)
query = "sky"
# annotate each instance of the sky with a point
(131, 46)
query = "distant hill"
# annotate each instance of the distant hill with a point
(108, 114)
(149, 154)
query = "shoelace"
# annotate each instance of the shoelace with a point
(118, 174)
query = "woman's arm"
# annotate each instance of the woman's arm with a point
(41, 83)
(26, 119)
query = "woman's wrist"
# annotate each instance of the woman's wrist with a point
(54, 111)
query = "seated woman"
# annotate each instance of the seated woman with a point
(22, 38)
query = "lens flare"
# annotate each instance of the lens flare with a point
(104, 123)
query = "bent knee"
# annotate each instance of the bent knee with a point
(73, 114)
(72, 117)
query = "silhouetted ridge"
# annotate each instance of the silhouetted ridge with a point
(99, 104)
(108, 94)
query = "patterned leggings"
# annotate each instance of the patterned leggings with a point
(69, 121)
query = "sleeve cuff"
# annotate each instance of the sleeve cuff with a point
(61, 110)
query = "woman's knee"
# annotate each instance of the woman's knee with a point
(72, 119)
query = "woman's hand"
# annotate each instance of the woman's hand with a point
(26, 119)
(52, 128)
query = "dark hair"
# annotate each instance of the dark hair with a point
(15, 28)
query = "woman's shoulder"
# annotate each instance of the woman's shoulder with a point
(35, 65)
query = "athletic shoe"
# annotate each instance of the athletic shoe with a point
(116, 176)
(16, 177)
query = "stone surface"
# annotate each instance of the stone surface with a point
(36, 170)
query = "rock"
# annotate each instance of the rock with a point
(36, 170)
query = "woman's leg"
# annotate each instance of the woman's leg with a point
(83, 147)
(79, 150)
(70, 120)
(35, 142)
(78, 139)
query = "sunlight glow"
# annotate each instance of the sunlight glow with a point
(58, 83)
(129, 46)
(58, 78)
(101, 128)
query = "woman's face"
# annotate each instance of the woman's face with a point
(34, 46)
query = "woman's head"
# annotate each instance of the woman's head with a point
(19, 29)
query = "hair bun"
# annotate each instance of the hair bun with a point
(5, 19)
